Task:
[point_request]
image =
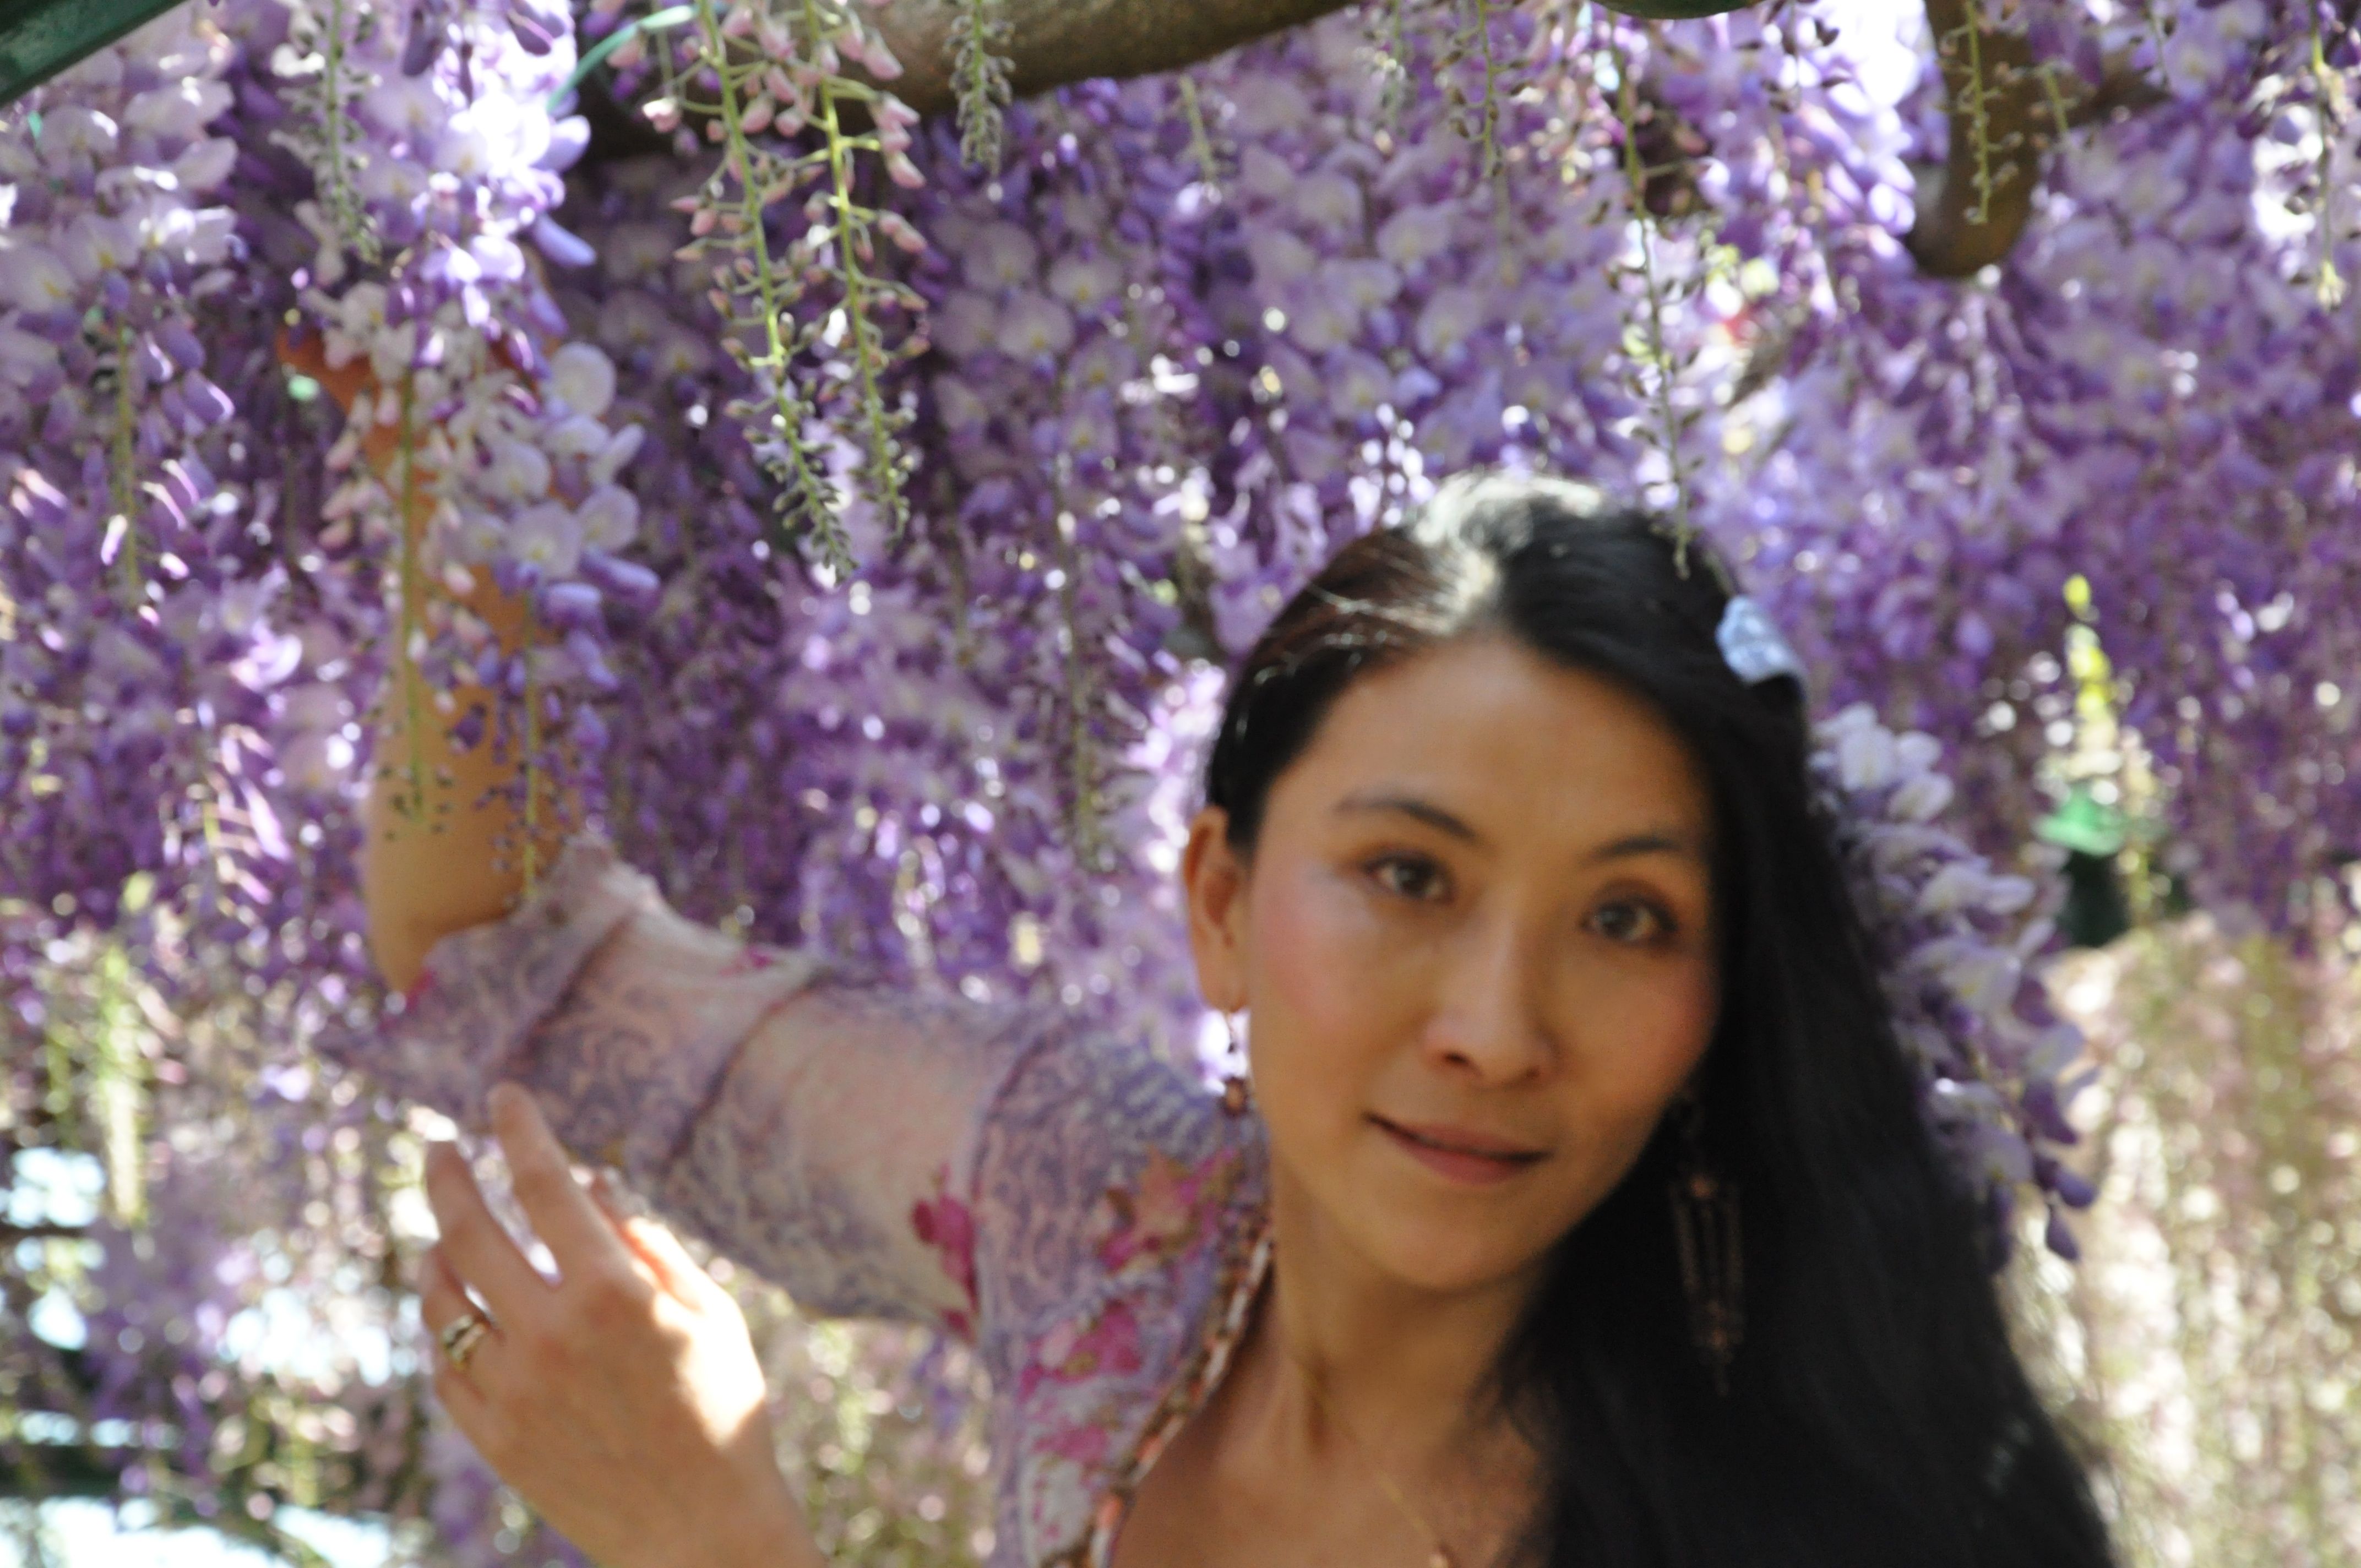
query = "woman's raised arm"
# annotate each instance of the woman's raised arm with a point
(446, 841)
(817, 1127)
(820, 1127)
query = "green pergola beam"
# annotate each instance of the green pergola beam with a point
(40, 37)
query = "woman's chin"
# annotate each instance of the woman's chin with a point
(1448, 1255)
(1420, 1229)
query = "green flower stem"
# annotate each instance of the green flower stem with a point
(119, 1085)
(123, 475)
(1201, 143)
(1635, 180)
(2058, 109)
(806, 495)
(410, 801)
(529, 764)
(1977, 100)
(852, 226)
(2329, 285)
(980, 79)
(1393, 49)
(346, 212)
(1487, 114)
(1082, 776)
(596, 56)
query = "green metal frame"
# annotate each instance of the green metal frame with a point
(40, 37)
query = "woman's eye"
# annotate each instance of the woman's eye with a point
(1408, 876)
(1632, 921)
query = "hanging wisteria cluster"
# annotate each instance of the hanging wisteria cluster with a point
(1955, 948)
(2148, 409)
(853, 510)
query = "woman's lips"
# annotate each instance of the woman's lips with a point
(1459, 1154)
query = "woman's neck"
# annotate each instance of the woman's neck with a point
(1351, 1366)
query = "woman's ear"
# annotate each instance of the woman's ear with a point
(1213, 878)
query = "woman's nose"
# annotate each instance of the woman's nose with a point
(1489, 1016)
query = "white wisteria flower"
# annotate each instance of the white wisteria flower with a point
(549, 537)
(582, 378)
(609, 518)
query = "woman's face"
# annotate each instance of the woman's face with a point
(1477, 944)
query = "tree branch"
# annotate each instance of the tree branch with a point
(1052, 42)
(1056, 41)
(11, 1234)
(2005, 118)
(1971, 212)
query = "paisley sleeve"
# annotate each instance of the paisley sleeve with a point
(818, 1127)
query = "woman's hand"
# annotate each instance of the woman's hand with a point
(446, 844)
(623, 1400)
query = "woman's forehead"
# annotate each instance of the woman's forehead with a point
(1507, 743)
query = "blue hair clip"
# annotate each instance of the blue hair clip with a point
(1753, 645)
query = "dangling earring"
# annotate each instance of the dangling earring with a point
(1705, 1229)
(1238, 1093)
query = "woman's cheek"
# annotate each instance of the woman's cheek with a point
(1323, 956)
(1633, 1033)
(1647, 1023)
(1319, 1030)
(1688, 1010)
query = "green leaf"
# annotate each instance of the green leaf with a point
(2081, 823)
(40, 37)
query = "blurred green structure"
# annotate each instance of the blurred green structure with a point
(40, 37)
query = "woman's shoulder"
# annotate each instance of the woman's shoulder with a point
(1114, 1197)
(1102, 1159)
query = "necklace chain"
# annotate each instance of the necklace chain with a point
(1440, 1556)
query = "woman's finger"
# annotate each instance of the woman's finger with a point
(442, 1300)
(656, 1247)
(473, 1242)
(577, 1235)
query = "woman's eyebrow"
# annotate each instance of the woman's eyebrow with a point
(1426, 811)
(1661, 841)
(1654, 841)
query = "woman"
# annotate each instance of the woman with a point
(1520, 885)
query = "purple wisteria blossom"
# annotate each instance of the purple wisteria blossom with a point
(1054, 434)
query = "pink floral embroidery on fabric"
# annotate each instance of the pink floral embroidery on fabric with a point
(1086, 1444)
(946, 1225)
(1075, 1352)
(1167, 1214)
(1105, 1256)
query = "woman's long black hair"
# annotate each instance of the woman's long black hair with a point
(1876, 1414)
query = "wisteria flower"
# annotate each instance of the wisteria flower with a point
(549, 537)
(608, 518)
(583, 380)
(1032, 326)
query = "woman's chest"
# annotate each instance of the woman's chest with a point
(1202, 1507)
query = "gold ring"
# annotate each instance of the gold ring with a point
(462, 1334)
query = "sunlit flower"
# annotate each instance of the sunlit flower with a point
(34, 278)
(609, 518)
(582, 378)
(549, 536)
(1032, 325)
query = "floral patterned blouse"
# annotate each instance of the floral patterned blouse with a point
(1084, 1212)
